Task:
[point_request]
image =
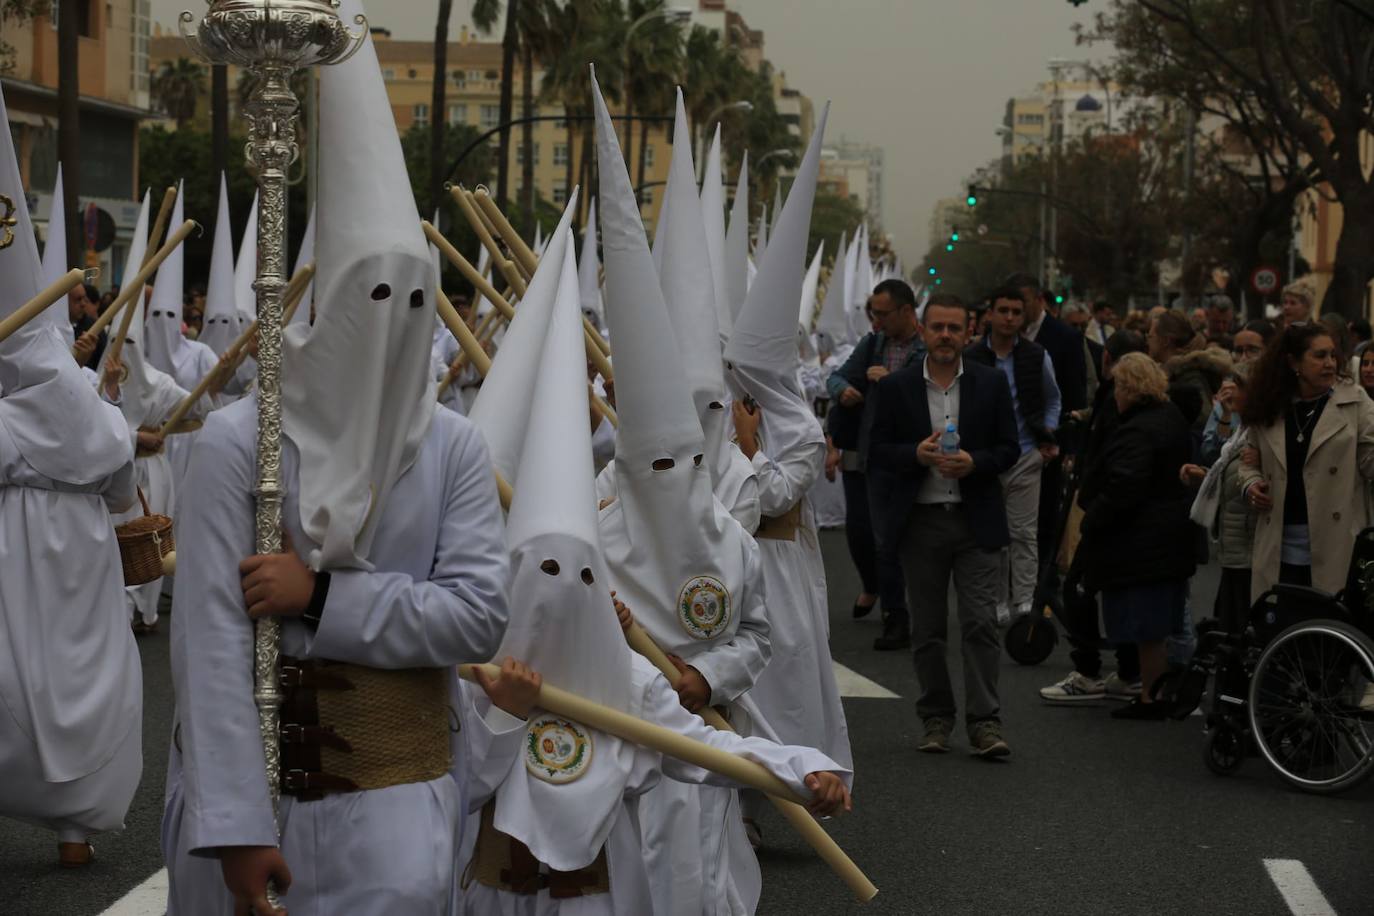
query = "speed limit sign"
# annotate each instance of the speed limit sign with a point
(1264, 280)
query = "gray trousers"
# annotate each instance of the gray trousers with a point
(1020, 567)
(938, 544)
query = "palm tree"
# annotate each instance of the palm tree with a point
(581, 30)
(69, 122)
(177, 86)
(438, 119)
(219, 118)
(484, 15)
(653, 56)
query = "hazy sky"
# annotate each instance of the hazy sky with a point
(927, 80)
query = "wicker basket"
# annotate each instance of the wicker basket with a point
(143, 543)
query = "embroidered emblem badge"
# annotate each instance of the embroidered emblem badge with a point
(7, 221)
(703, 607)
(556, 750)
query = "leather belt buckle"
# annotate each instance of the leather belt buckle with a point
(290, 676)
(295, 780)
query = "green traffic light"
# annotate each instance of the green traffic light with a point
(954, 237)
(932, 271)
(938, 281)
(1058, 300)
(972, 201)
(949, 248)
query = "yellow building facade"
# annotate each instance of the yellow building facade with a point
(113, 86)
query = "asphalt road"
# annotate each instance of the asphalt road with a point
(1088, 816)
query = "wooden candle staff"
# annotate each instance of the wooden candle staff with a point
(38, 304)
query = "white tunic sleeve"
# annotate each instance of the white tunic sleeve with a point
(117, 489)
(223, 775)
(732, 667)
(458, 614)
(784, 481)
(789, 763)
(491, 740)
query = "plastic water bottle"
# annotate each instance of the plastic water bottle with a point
(949, 440)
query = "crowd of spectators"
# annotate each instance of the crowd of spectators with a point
(1093, 462)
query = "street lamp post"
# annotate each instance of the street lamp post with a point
(743, 105)
(770, 154)
(674, 14)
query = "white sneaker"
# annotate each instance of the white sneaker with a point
(1075, 688)
(1003, 614)
(1118, 689)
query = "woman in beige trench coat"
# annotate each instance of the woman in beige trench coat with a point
(1313, 430)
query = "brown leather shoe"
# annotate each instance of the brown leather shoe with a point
(75, 855)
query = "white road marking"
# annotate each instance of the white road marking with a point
(854, 684)
(1298, 889)
(148, 899)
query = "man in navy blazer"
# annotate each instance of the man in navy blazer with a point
(944, 516)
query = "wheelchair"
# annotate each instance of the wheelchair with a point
(1296, 687)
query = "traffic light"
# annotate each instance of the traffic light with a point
(931, 271)
(1058, 299)
(954, 236)
(972, 199)
(938, 281)
(949, 248)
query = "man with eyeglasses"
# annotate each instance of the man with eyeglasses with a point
(894, 344)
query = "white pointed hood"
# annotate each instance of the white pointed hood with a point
(44, 397)
(810, 284)
(136, 391)
(166, 348)
(691, 302)
(674, 553)
(502, 408)
(834, 321)
(246, 269)
(538, 248)
(305, 255)
(761, 358)
(777, 206)
(589, 271)
(863, 273)
(55, 258)
(854, 310)
(566, 790)
(656, 412)
(220, 326)
(56, 421)
(480, 305)
(713, 212)
(737, 245)
(361, 400)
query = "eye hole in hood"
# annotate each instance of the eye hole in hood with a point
(550, 567)
(381, 291)
(417, 299)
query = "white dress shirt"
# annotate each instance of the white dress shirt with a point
(943, 404)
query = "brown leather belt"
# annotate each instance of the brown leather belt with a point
(780, 527)
(348, 728)
(502, 862)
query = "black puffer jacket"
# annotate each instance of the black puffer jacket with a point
(1135, 527)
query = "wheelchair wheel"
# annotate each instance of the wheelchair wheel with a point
(1309, 709)
(1031, 639)
(1224, 749)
